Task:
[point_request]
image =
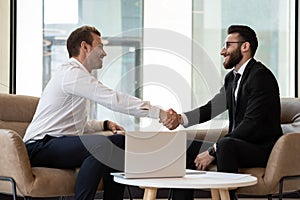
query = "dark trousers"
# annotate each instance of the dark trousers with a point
(96, 156)
(231, 154)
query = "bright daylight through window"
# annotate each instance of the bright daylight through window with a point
(133, 63)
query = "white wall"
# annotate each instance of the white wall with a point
(298, 67)
(4, 47)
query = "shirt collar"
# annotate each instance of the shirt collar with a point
(78, 63)
(242, 68)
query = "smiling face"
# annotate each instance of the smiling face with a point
(232, 51)
(96, 53)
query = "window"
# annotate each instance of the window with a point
(274, 23)
(136, 57)
(42, 35)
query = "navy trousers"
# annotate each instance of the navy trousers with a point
(96, 156)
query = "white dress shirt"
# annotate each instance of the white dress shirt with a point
(240, 71)
(64, 105)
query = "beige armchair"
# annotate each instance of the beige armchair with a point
(17, 177)
(282, 173)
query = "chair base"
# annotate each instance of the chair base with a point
(13, 185)
(281, 182)
(14, 189)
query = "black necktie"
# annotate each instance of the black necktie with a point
(234, 85)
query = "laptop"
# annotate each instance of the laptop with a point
(154, 155)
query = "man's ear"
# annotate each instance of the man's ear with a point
(245, 47)
(84, 46)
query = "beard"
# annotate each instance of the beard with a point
(235, 57)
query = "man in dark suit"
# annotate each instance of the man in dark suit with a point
(251, 95)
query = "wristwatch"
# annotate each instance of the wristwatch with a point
(211, 151)
(105, 125)
(180, 119)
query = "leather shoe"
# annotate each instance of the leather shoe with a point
(233, 195)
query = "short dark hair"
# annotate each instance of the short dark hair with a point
(246, 34)
(82, 33)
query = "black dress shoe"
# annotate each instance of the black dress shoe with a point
(182, 194)
(233, 195)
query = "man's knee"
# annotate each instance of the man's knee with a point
(225, 143)
(226, 155)
(118, 140)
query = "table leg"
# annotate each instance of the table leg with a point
(150, 193)
(224, 193)
(215, 195)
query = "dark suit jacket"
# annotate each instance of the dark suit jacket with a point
(257, 110)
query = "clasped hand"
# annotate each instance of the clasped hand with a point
(170, 119)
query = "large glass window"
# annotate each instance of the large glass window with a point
(274, 23)
(137, 35)
(43, 48)
(121, 44)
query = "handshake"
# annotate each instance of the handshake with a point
(170, 119)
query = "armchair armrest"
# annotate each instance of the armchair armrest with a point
(14, 159)
(206, 134)
(284, 159)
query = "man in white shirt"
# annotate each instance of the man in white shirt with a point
(55, 136)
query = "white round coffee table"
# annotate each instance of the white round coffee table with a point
(218, 183)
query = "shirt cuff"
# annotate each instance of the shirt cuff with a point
(185, 120)
(215, 146)
(154, 112)
(93, 126)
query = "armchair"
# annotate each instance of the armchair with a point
(17, 177)
(282, 173)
